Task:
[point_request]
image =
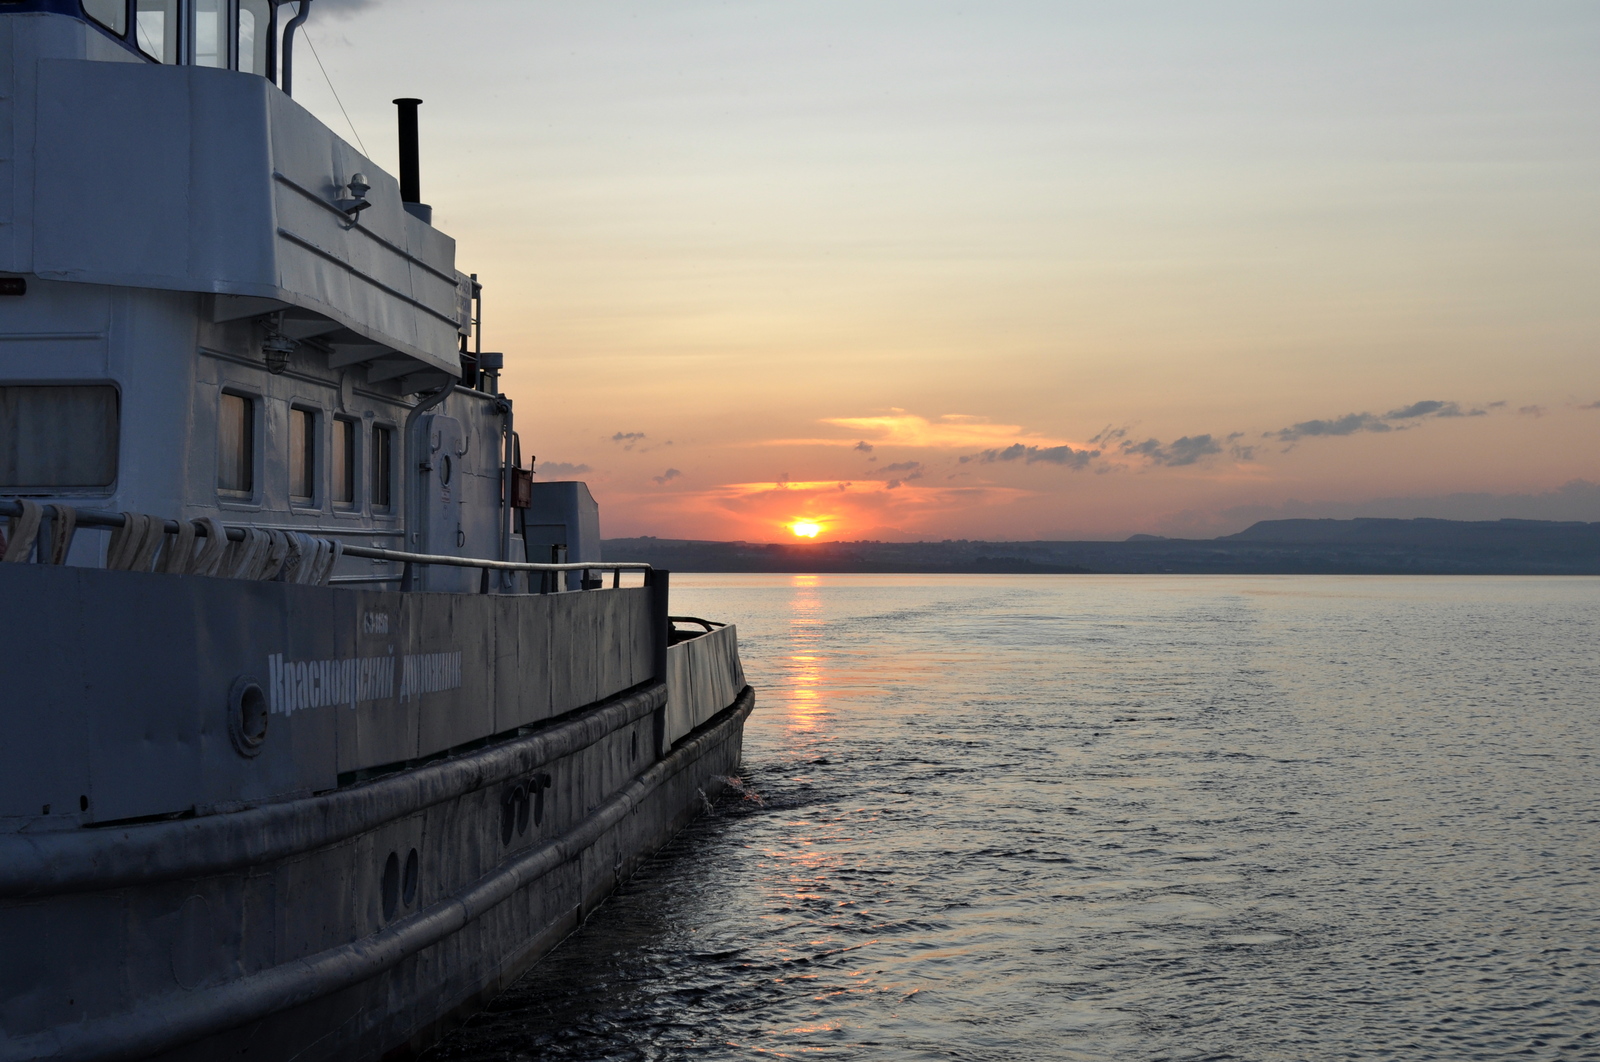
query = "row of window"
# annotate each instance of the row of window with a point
(231, 34)
(236, 457)
(56, 437)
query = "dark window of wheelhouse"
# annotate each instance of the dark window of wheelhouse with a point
(236, 445)
(382, 467)
(302, 456)
(255, 33)
(344, 462)
(155, 29)
(112, 14)
(58, 436)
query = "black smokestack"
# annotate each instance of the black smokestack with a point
(410, 171)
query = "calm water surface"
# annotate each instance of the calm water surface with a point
(1135, 817)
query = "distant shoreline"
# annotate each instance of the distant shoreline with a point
(1271, 547)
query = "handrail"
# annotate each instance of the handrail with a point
(104, 518)
(709, 625)
(493, 565)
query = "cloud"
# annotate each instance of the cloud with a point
(1353, 423)
(911, 470)
(898, 428)
(1591, 405)
(628, 439)
(1184, 451)
(1432, 408)
(560, 468)
(1055, 455)
(1532, 411)
(997, 443)
(666, 477)
(1107, 435)
(1349, 424)
(1419, 409)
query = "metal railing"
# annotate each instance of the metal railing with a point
(107, 520)
(707, 625)
(616, 568)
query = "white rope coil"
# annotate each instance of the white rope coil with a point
(17, 543)
(198, 547)
(63, 524)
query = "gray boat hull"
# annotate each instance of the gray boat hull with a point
(394, 988)
(358, 920)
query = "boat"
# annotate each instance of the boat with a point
(325, 718)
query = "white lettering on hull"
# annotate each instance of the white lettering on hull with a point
(430, 673)
(295, 685)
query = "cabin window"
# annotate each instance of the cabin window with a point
(58, 436)
(112, 14)
(155, 29)
(382, 467)
(236, 445)
(211, 33)
(255, 18)
(302, 456)
(344, 462)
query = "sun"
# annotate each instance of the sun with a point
(805, 528)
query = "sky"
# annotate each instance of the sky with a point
(1015, 270)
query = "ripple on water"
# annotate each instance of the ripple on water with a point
(1106, 817)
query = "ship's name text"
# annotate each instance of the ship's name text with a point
(295, 685)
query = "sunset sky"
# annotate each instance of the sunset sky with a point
(1016, 270)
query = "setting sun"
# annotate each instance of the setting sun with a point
(805, 528)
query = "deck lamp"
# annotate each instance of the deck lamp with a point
(275, 346)
(357, 202)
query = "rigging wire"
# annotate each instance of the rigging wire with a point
(335, 91)
(146, 45)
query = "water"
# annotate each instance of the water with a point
(1138, 817)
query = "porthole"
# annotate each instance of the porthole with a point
(247, 715)
(408, 884)
(633, 747)
(391, 886)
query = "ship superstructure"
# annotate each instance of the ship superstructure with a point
(324, 720)
(203, 269)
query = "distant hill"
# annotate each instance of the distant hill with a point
(1423, 532)
(1348, 547)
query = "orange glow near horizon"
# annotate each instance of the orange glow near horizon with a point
(805, 528)
(840, 509)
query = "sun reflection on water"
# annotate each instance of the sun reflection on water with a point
(806, 710)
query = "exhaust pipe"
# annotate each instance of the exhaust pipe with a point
(288, 46)
(410, 167)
